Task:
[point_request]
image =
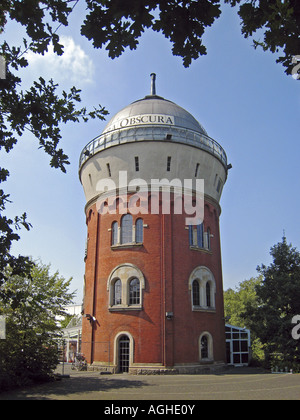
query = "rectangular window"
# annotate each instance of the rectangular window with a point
(195, 238)
(108, 169)
(200, 236)
(197, 170)
(219, 186)
(169, 164)
(215, 181)
(245, 358)
(137, 165)
(191, 235)
(244, 346)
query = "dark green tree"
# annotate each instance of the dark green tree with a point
(276, 23)
(236, 300)
(278, 301)
(31, 308)
(40, 109)
(119, 23)
(235, 303)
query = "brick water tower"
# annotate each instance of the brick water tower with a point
(153, 293)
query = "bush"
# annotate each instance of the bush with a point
(6, 382)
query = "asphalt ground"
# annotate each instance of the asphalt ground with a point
(235, 384)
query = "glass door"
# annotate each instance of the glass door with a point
(124, 352)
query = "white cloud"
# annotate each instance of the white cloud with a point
(74, 65)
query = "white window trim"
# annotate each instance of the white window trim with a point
(203, 275)
(133, 242)
(210, 357)
(125, 272)
(116, 347)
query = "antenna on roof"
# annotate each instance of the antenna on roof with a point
(153, 89)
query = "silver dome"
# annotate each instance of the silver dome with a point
(153, 118)
(156, 106)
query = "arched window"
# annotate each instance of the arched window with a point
(134, 292)
(208, 295)
(117, 298)
(114, 233)
(196, 293)
(206, 352)
(125, 286)
(139, 231)
(202, 287)
(126, 229)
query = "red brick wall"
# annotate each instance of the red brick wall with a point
(166, 261)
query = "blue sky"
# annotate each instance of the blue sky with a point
(240, 95)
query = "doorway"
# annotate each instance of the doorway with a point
(123, 354)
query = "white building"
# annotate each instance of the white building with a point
(72, 333)
(238, 345)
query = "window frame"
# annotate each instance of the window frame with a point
(208, 294)
(198, 238)
(117, 283)
(205, 279)
(139, 231)
(114, 233)
(137, 163)
(204, 347)
(195, 293)
(126, 229)
(126, 273)
(134, 292)
(210, 352)
(129, 233)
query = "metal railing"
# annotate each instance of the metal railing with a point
(152, 133)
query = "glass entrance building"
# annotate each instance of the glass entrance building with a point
(238, 345)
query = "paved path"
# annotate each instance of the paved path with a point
(237, 384)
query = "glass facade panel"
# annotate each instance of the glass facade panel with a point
(237, 345)
(236, 358)
(244, 346)
(245, 358)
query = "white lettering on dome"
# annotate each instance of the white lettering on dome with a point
(140, 120)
